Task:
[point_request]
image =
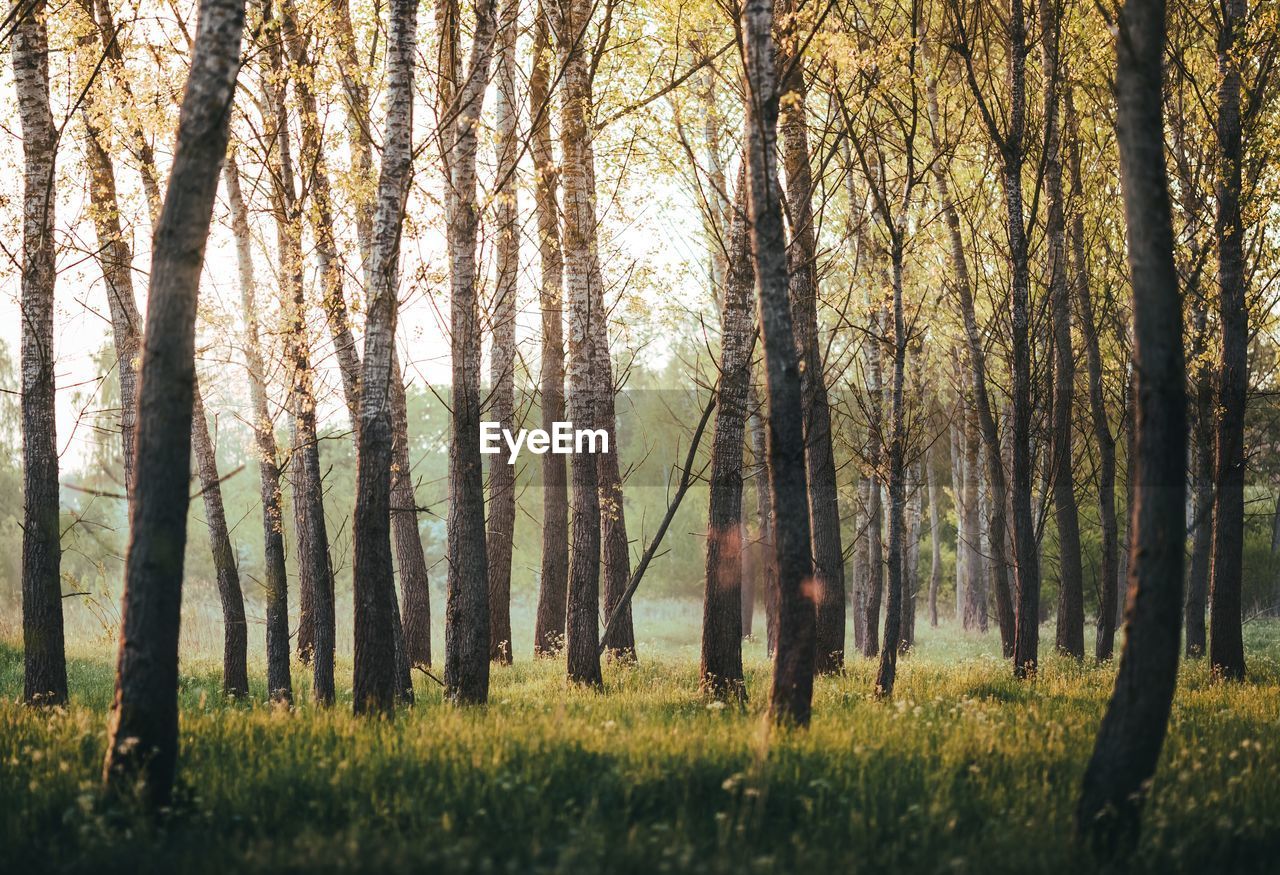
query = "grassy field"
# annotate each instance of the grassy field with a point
(965, 771)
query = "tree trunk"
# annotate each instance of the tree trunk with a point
(1202, 510)
(975, 593)
(548, 637)
(279, 684)
(320, 208)
(1133, 730)
(621, 644)
(143, 730)
(235, 630)
(1107, 569)
(824, 504)
(791, 695)
(721, 674)
(1226, 644)
(415, 592)
(116, 259)
(767, 565)
(583, 629)
(1070, 625)
(935, 545)
(897, 491)
(378, 678)
(502, 474)
(466, 667)
(962, 285)
(875, 514)
(958, 484)
(44, 654)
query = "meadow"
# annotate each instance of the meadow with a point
(965, 770)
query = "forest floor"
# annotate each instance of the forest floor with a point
(965, 770)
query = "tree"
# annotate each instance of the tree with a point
(553, 586)
(1133, 730)
(582, 626)
(316, 626)
(1226, 644)
(1108, 578)
(44, 655)
(375, 684)
(824, 505)
(1070, 628)
(502, 367)
(791, 695)
(279, 682)
(142, 745)
(466, 667)
(721, 670)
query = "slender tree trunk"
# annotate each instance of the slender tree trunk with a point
(963, 287)
(466, 667)
(1226, 644)
(502, 475)
(1107, 569)
(235, 633)
(975, 595)
(279, 683)
(143, 730)
(415, 592)
(911, 575)
(828, 555)
(768, 567)
(583, 629)
(721, 674)
(116, 259)
(897, 491)
(935, 545)
(315, 638)
(44, 655)
(1133, 730)
(1202, 510)
(791, 696)
(377, 680)
(548, 636)
(1070, 620)
(875, 513)
(621, 643)
(320, 208)
(958, 485)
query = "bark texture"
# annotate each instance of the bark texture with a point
(582, 638)
(377, 680)
(791, 694)
(824, 503)
(466, 666)
(44, 655)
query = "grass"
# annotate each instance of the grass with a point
(966, 770)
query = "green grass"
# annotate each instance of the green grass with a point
(965, 771)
